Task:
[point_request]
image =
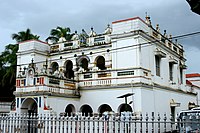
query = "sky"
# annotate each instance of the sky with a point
(41, 16)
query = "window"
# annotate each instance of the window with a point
(101, 63)
(163, 39)
(84, 64)
(68, 44)
(38, 80)
(99, 39)
(181, 75)
(157, 60)
(173, 113)
(54, 67)
(86, 110)
(175, 49)
(87, 76)
(124, 73)
(69, 73)
(171, 71)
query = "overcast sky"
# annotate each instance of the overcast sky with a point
(41, 16)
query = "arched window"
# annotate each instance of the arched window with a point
(29, 106)
(84, 64)
(100, 63)
(69, 73)
(125, 107)
(86, 110)
(54, 67)
(69, 110)
(104, 108)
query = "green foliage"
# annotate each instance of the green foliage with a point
(24, 35)
(8, 62)
(59, 32)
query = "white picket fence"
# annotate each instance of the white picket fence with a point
(52, 123)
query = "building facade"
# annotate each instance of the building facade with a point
(129, 67)
(193, 85)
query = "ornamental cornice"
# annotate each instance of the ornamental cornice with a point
(33, 51)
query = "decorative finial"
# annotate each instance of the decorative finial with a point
(157, 27)
(148, 20)
(146, 14)
(75, 36)
(92, 33)
(108, 29)
(32, 64)
(165, 33)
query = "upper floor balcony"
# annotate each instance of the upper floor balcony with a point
(45, 84)
(98, 40)
(128, 76)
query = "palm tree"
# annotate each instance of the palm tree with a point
(59, 32)
(24, 35)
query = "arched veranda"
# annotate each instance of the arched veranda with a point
(29, 106)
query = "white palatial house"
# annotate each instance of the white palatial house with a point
(131, 66)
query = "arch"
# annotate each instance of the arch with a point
(68, 72)
(69, 110)
(29, 105)
(82, 57)
(83, 62)
(104, 108)
(125, 107)
(100, 62)
(30, 76)
(86, 110)
(54, 67)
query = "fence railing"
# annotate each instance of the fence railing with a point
(52, 123)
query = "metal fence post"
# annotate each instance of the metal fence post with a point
(152, 122)
(140, 119)
(158, 123)
(147, 123)
(165, 119)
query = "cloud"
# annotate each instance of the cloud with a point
(193, 64)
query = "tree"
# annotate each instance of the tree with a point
(24, 35)
(8, 62)
(195, 5)
(58, 33)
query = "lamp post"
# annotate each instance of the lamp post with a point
(125, 97)
(126, 107)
